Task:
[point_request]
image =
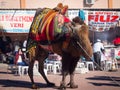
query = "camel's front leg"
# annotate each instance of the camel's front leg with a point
(63, 83)
(72, 83)
(74, 61)
(65, 69)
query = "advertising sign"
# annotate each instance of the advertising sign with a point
(16, 21)
(102, 20)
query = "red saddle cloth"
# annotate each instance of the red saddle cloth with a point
(46, 25)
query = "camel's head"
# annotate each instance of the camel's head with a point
(81, 38)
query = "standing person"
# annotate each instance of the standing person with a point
(16, 45)
(98, 49)
(24, 48)
(24, 43)
(104, 57)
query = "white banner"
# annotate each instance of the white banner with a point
(102, 20)
(72, 13)
(16, 21)
(19, 21)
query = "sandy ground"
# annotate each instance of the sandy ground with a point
(93, 80)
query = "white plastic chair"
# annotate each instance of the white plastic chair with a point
(109, 65)
(35, 68)
(18, 70)
(88, 64)
(57, 67)
(15, 68)
(80, 68)
(48, 67)
(10, 67)
(24, 70)
(53, 66)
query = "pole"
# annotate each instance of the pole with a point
(110, 3)
(22, 4)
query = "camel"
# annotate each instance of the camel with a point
(70, 42)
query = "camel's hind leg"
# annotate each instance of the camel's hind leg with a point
(31, 64)
(42, 55)
(30, 73)
(41, 70)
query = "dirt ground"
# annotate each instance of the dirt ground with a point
(93, 80)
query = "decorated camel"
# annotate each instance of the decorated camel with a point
(52, 31)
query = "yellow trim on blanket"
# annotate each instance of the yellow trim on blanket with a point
(36, 24)
(48, 24)
(45, 18)
(36, 21)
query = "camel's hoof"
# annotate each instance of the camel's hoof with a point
(34, 86)
(73, 86)
(62, 87)
(50, 84)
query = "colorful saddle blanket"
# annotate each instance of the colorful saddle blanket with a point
(47, 27)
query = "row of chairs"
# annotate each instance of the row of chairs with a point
(51, 67)
(84, 67)
(18, 70)
(22, 70)
(110, 65)
(55, 67)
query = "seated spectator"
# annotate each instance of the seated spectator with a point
(10, 58)
(20, 59)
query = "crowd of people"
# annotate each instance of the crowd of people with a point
(102, 55)
(13, 52)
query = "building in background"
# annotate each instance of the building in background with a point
(32, 5)
(73, 4)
